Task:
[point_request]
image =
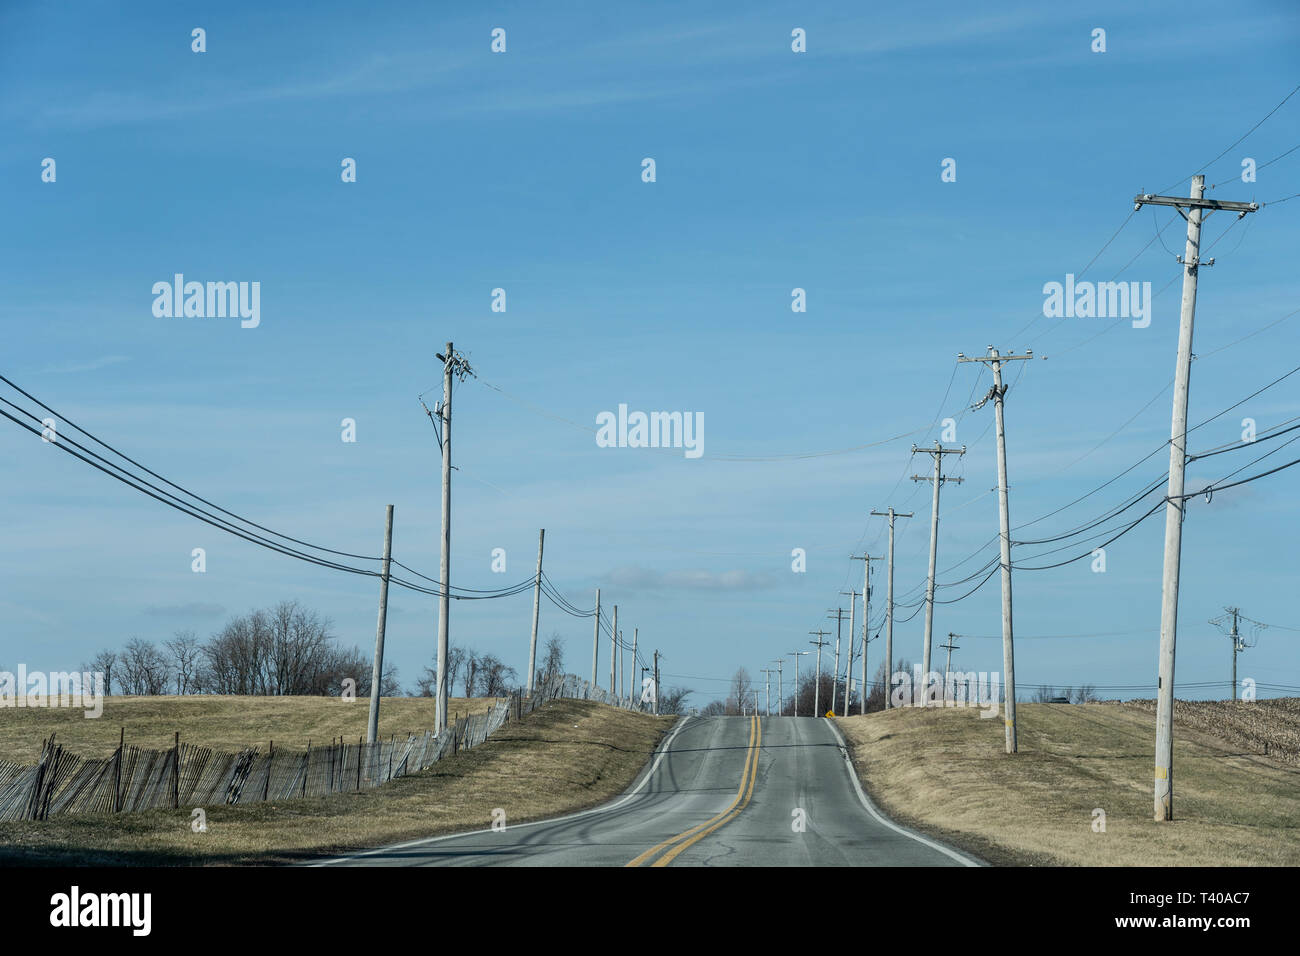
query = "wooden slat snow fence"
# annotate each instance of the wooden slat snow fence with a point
(135, 778)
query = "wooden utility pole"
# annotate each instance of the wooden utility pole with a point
(1197, 208)
(377, 671)
(866, 560)
(937, 453)
(1236, 646)
(595, 641)
(613, 652)
(537, 604)
(998, 392)
(656, 698)
(1238, 643)
(767, 685)
(780, 686)
(452, 365)
(947, 667)
(632, 669)
(817, 687)
(796, 655)
(848, 667)
(839, 638)
(889, 603)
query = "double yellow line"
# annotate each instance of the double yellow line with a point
(698, 833)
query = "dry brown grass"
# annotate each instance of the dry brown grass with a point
(945, 772)
(224, 723)
(565, 756)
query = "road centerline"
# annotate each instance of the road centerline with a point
(746, 778)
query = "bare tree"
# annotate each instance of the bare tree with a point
(672, 700)
(104, 663)
(495, 677)
(471, 666)
(741, 693)
(185, 657)
(553, 664)
(427, 686)
(143, 668)
(1084, 695)
(284, 650)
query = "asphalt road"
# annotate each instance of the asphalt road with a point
(721, 791)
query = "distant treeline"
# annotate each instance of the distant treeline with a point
(290, 650)
(280, 651)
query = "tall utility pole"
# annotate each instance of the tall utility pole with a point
(377, 672)
(1239, 642)
(1197, 207)
(452, 365)
(595, 641)
(947, 667)
(889, 603)
(656, 697)
(632, 670)
(937, 453)
(796, 655)
(767, 682)
(780, 686)
(613, 651)
(848, 666)
(866, 560)
(817, 687)
(998, 392)
(839, 638)
(537, 605)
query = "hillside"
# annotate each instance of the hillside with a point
(946, 772)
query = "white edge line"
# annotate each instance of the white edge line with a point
(961, 858)
(645, 778)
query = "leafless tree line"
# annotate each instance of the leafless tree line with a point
(279, 651)
(486, 675)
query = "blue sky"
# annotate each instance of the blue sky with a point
(522, 171)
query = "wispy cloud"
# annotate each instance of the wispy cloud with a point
(193, 609)
(646, 579)
(90, 365)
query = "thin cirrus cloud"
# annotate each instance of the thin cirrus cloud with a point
(194, 609)
(646, 579)
(90, 365)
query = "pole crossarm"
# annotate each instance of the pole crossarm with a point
(1188, 202)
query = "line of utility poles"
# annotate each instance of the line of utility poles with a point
(817, 687)
(839, 637)
(937, 453)
(889, 601)
(848, 665)
(767, 684)
(796, 655)
(998, 392)
(1194, 208)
